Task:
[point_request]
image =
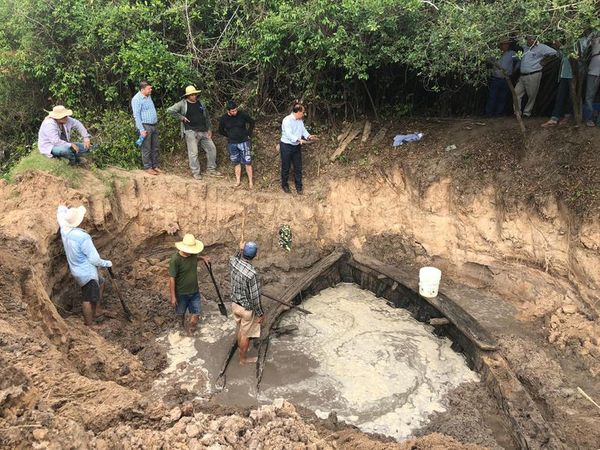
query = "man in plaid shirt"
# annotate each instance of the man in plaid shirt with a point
(245, 295)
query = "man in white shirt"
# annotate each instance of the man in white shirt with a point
(293, 135)
(592, 81)
(531, 73)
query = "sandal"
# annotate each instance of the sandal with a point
(550, 123)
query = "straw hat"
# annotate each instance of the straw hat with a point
(73, 218)
(190, 90)
(59, 111)
(190, 245)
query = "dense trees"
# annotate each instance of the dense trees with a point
(335, 55)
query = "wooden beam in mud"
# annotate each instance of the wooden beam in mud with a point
(288, 296)
(460, 318)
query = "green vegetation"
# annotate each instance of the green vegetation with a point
(342, 58)
(36, 161)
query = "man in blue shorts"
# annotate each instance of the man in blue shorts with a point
(183, 280)
(237, 127)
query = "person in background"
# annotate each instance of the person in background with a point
(54, 136)
(498, 87)
(531, 73)
(592, 81)
(563, 105)
(196, 129)
(293, 135)
(237, 127)
(146, 121)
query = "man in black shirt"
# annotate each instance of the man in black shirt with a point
(237, 127)
(196, 129)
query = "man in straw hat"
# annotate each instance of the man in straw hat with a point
(183, 280)
(196, 129)
(245, 295)
(83, 259)
(146, 121)
(54, 137)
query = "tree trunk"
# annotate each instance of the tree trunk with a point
(576, 91)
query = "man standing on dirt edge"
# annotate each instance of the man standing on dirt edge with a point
(237, 127)
(196, 129)
(146, 121)
(293, 135)
(183, 280)
(83, 259)
(245, 295)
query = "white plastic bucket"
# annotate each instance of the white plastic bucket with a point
(429, 281)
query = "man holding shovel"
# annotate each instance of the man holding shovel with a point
(83, 259)
(183, 280)
(245, 297)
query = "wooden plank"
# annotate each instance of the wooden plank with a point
(366, 132)
(460, 318)
(351, 136)
(345, 133)
(379, 136)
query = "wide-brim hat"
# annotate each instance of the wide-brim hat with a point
(505, 41)
(59, 112)
(73, 218)
(190, 90)
(190, 245)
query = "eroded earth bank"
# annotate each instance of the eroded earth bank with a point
(528, 276)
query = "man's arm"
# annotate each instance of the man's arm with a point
(85, 135)
(92, 255)
(254, 296)
(136, 107)
(172, 297)
(176, 111)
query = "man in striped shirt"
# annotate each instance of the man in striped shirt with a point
(146, 120)
(245, 297)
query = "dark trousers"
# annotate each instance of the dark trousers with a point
(150, 147)
(563, 103)
(496, 102)
(291, 155)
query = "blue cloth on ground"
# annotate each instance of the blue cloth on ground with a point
(402, 138)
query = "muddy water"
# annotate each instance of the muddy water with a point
(375, 366)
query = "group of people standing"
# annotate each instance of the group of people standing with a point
(54, 137)
(184, 292)
(530, 66)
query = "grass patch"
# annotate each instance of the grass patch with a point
(36, 161)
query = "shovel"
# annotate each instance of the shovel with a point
(116, 288)
(212, 277)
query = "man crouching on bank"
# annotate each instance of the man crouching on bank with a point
(245, 297)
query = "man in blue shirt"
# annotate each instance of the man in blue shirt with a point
(293, 135)
(498, 87)
(83, 259)
(146, 120)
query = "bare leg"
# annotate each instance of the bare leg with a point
(249, 172)
(243, 344)
(88, 313)
(96, 308)
(238, 174)
(193, 323)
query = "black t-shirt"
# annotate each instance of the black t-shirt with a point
(236, 128)
(196, 115)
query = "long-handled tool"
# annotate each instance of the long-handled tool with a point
(221, 378)
(212, 277)
(111, 276)
(305, 311)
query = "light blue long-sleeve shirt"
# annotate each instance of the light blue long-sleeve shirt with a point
(532, 57)
(82, 256)
(143, 111)
(292, 130)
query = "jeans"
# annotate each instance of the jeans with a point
(192, 139)
(591, 87)
(291, 155)
(188, 302)
(496, 102)
(65, 151)
(529, 84)
(150, 147)
(563, 94)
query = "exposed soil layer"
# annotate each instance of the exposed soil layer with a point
(529, 274)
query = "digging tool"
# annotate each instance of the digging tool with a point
(221, 379)
(212, 277)
(305, 311)
(587, 397)
(111, 276)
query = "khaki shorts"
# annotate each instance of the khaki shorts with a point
(246, 320)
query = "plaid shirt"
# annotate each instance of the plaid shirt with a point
(244, 284)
